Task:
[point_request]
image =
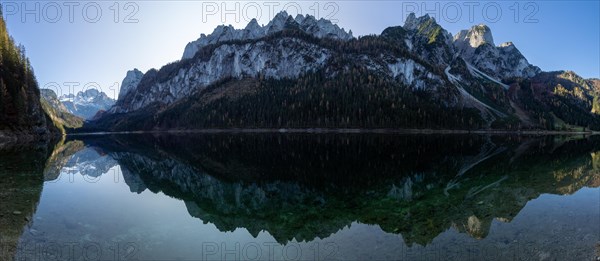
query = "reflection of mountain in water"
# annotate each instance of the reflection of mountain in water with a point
(59, 158)
(74, 158)
(306, 186)
(90, 162)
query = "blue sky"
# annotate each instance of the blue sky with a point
(92, 45)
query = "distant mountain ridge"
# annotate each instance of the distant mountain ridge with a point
(303, 73)
(58, 111)
(86, 104)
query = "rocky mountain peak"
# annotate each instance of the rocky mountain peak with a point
(90, 93)
(467, 79)
(321, 28)
(253, 25)
(300, 18)
(130, 82)
(48, 94)
(426, 38)
(476, 46)
(413, 22)
(481, 34)
(86, 103)
(509, 49)
(476, 36)
(278, 23)
(427, 28)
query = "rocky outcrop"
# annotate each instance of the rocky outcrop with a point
(58, 112)
(476, 46)
(428, 40)
(478, 35)
(131, 81)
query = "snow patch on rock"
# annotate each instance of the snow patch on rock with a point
(321, 28)
(284, 58)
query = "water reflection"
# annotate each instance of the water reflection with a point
(350, 196)
(21, 180)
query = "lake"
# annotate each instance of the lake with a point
(302, 196)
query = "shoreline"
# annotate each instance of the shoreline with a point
(344, 131)
(20, 138)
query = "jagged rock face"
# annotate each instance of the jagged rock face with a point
(467, 71)
(86, 104)
(477, 47)
(57, 111)
(52, 99)
(129, 84)
(477, 36)
(594, 83)
(566, 84)
(427, 39)
(292, 58)
(132, 79)
(319, 28)
(413, 74)
(421, 36)
(284, 57)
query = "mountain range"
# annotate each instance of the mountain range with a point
(57, 111)
(86, 104)
(303, 73)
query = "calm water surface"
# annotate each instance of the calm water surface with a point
(303, 197)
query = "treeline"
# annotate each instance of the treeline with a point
(557, 103)
(19, 94)
(357, 99)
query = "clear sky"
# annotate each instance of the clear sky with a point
(93, 44)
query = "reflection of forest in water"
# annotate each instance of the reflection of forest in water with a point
(21, 181)
(304, 186)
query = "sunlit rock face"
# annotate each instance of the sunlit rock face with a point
(293, 58)
(223, 77)
(476, 46)
(236, 54)
(474, 226)
(130, 82)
